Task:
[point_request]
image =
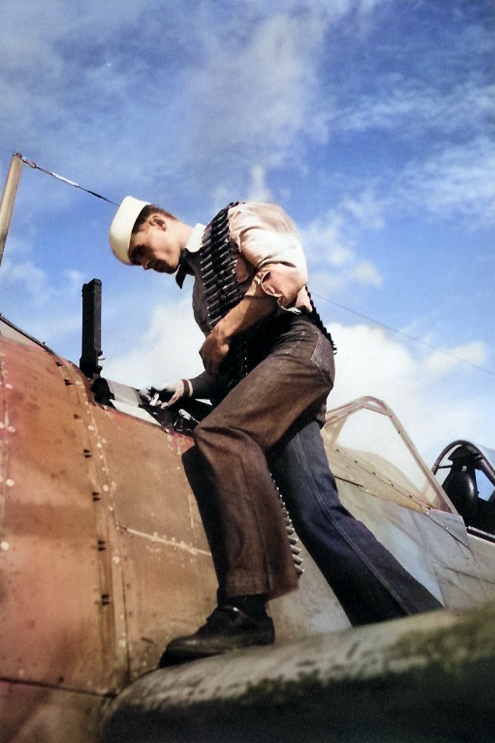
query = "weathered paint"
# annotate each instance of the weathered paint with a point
(99, 536)
(104, 557)
(424, 678)
(102, 551)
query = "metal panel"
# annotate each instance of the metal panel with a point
(39, 713)
(52, 580)
(150, 488)
(169, 580)
(169, 592)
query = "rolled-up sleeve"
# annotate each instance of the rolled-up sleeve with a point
(268, 241)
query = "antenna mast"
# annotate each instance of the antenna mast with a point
(8, 199)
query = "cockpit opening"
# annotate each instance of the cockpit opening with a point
(467, 474)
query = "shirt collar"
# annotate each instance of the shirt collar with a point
(195, 238)
(192, 246)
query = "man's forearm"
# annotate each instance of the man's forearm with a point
(244, 315)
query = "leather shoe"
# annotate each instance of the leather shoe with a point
(227, 628)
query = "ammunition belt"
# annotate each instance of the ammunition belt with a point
(217, 267)
(222, 290)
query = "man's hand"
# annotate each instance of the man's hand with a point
(250, 310)
(177, 390)
(214, 350)
(174, 391)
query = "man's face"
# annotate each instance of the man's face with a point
(155, 246)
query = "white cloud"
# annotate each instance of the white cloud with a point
(366, 273)
(408, 106)
(168, 350)
(237, 111)
(249, 89)
(26, 278)
(329, 242)
(436, 401)
(258, 189)
(35, 301)
(137, 75)
(365, 210)
(457, 180)
(368, 363)
(75, 280)
(324, 239)
(439, 363)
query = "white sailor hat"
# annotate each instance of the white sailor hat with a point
(121, 227)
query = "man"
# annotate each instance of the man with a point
(272, 364)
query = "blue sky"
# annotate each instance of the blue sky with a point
(370, 121)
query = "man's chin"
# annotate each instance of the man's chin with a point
(162, 268)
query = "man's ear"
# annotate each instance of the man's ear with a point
(158, 221)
